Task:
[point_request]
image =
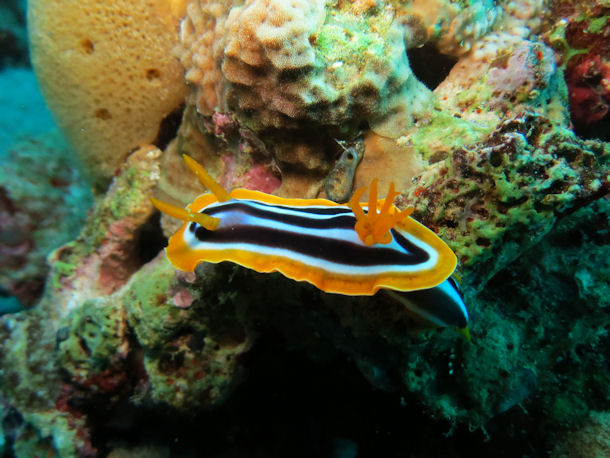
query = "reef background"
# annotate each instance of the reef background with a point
(106, 351)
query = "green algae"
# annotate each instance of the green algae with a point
(453, 131)
(597, 25)
(346, 38)
(149, 307)
(92, 338)
(557, 39)
(133, 188)
(60, 271)
(498, 195)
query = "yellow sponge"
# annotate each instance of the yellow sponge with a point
(106, 71)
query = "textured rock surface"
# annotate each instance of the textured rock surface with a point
(145, 339)
(36, 343)
(493, 200)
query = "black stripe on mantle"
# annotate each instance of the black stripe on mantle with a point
(323, 248)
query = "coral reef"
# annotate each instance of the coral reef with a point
(493, 200)
(298, 79)
(83, 269)
(123, 354)
(106, 72)
(544, 328)
(160, 338)
(109, 345)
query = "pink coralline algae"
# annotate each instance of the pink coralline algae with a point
(182, 298)
(259, 177)
(223, 124)
(589, 84)
(580, 36)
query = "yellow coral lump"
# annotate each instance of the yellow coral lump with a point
(106, 71)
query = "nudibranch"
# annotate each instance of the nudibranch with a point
(353, 249)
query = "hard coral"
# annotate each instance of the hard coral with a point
(278, 64)
(77, 329)
(296, 75)
(106, 71)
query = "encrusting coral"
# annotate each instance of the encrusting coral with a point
(491, 201)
